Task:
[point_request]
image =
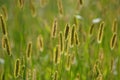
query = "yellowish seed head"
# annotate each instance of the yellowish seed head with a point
(54, 29)
(66, 31)
(91, 29)
(3, 76)
(32, 8)
(34, 74)
(61, 42)
(17, 68)
(43, 3)
(68, 62)
(60, 7)
(7, 45)
(57, 55)
(40, 43)
(113, 41)
(29, 50)
(100, 32)
(4, 11)
(72, 35)
(3, 42)
(3, 25)
(55, 75)
(20, 3)
(114, 26)
(76, 39)
(80, 2)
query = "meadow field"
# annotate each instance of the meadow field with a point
(59, 39)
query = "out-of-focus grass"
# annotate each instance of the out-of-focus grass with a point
(22, 27)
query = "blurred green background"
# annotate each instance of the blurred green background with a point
(22, 27)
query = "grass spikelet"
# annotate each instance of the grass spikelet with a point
(68, 62)
(67, 45)
(29, 50)
(55, 77)
(7, 45)
(77, 76)
(73, 58)
(57, 55)
(80, 2)
(100, 77)
(17, 68)
(111, 64)
(76, 39)
(4, 11)
(3, 25)
(20, 3)
(34, 74)
(113, 41)
(114, 26)
(43, 3)
(61, 42)
(72, 35)
(100, 32)
(3, 42)
(101, 55)
(32, 8)
(40, 43)
(3, 76)
(60, 7)
(91, 29)
(66, 31)
(94, 69)
(54, 29)
(29, 74)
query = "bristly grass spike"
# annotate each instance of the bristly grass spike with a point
(113, 41)
(17, 68)
(100, 32)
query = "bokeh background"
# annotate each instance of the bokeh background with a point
(27, 23)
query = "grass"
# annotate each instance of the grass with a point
(37, 32)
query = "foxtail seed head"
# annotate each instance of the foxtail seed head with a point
(68, 62)
(3, 42)
(3, 25)
(67, 45)
(34, 74)
(20, 3)
(54, 29)
(4, 11)
(55, 75)
(66, 31)
(113, 41)
(29, 74)
(7, 45)
(43, 3)
(40, 43)
(61, 42)
(114, 26)
(100, 32)
(57, 55)
(80, 2)
(17, 68)
(60, 6)
(77, 76)
(73, 35)
(3, 76)
(29, 50)
(32, 8)
(91, 29)
(76, 38)
(100, 77)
